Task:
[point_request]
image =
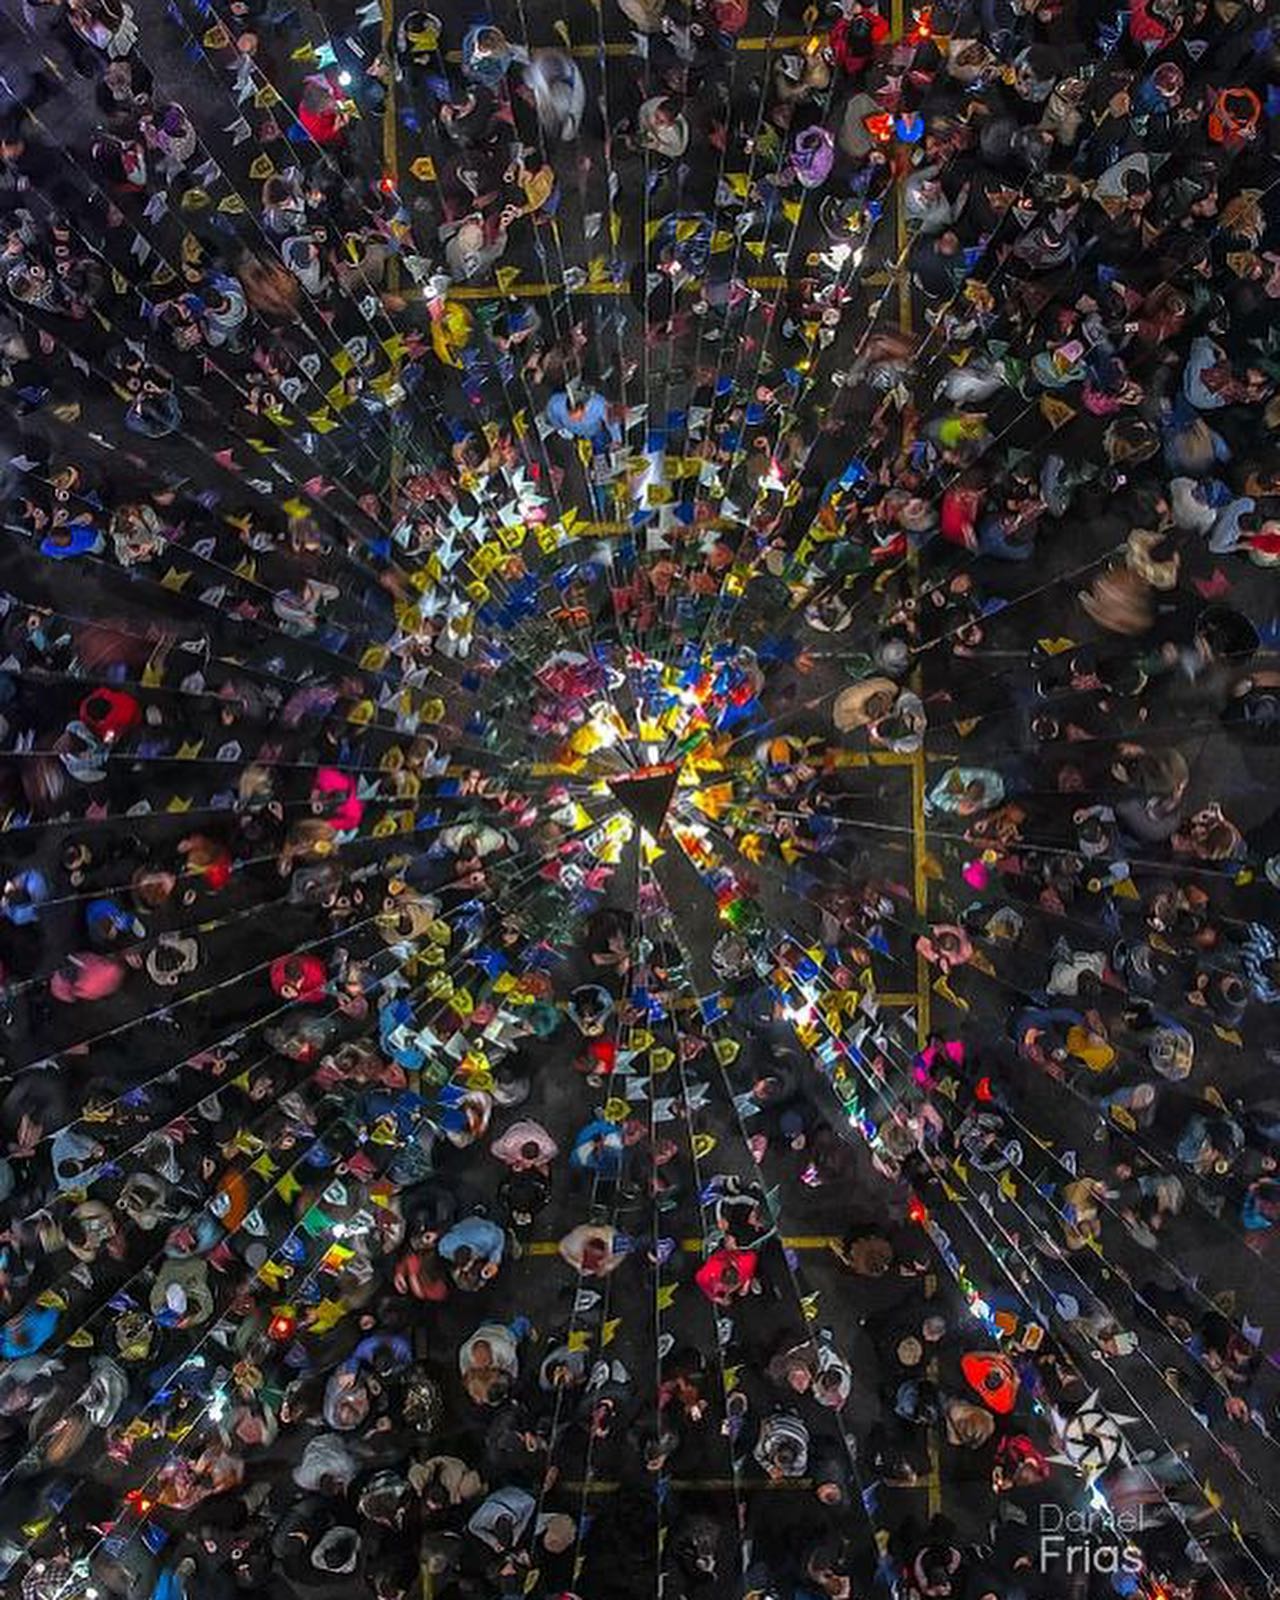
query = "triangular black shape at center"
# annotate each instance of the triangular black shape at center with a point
(646, 794)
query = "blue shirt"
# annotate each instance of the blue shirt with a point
(483, 1238)
(604, 1157)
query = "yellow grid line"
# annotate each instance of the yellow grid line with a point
(845, 759)
(391, 166)
(617, 50)
(795, 1241)
(920, 885)
(606, 290)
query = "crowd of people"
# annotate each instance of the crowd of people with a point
(638, 712)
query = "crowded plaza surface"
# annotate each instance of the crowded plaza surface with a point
(639, 865)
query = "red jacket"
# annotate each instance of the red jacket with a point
(710, 1275)
(854, 47)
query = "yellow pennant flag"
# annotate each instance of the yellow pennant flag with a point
(943, 988)
(1055, 412)
(326, 1315)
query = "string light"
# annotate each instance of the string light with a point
(282, 1326)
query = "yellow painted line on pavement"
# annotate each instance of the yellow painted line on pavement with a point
(784, 41)
(389, 152)
(933, 1483)
(618, 49)
(794, 1241)
(919, 840)
(532, 291)
(391, 168)
(606, 289)
(844, 759)
(872, 758)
